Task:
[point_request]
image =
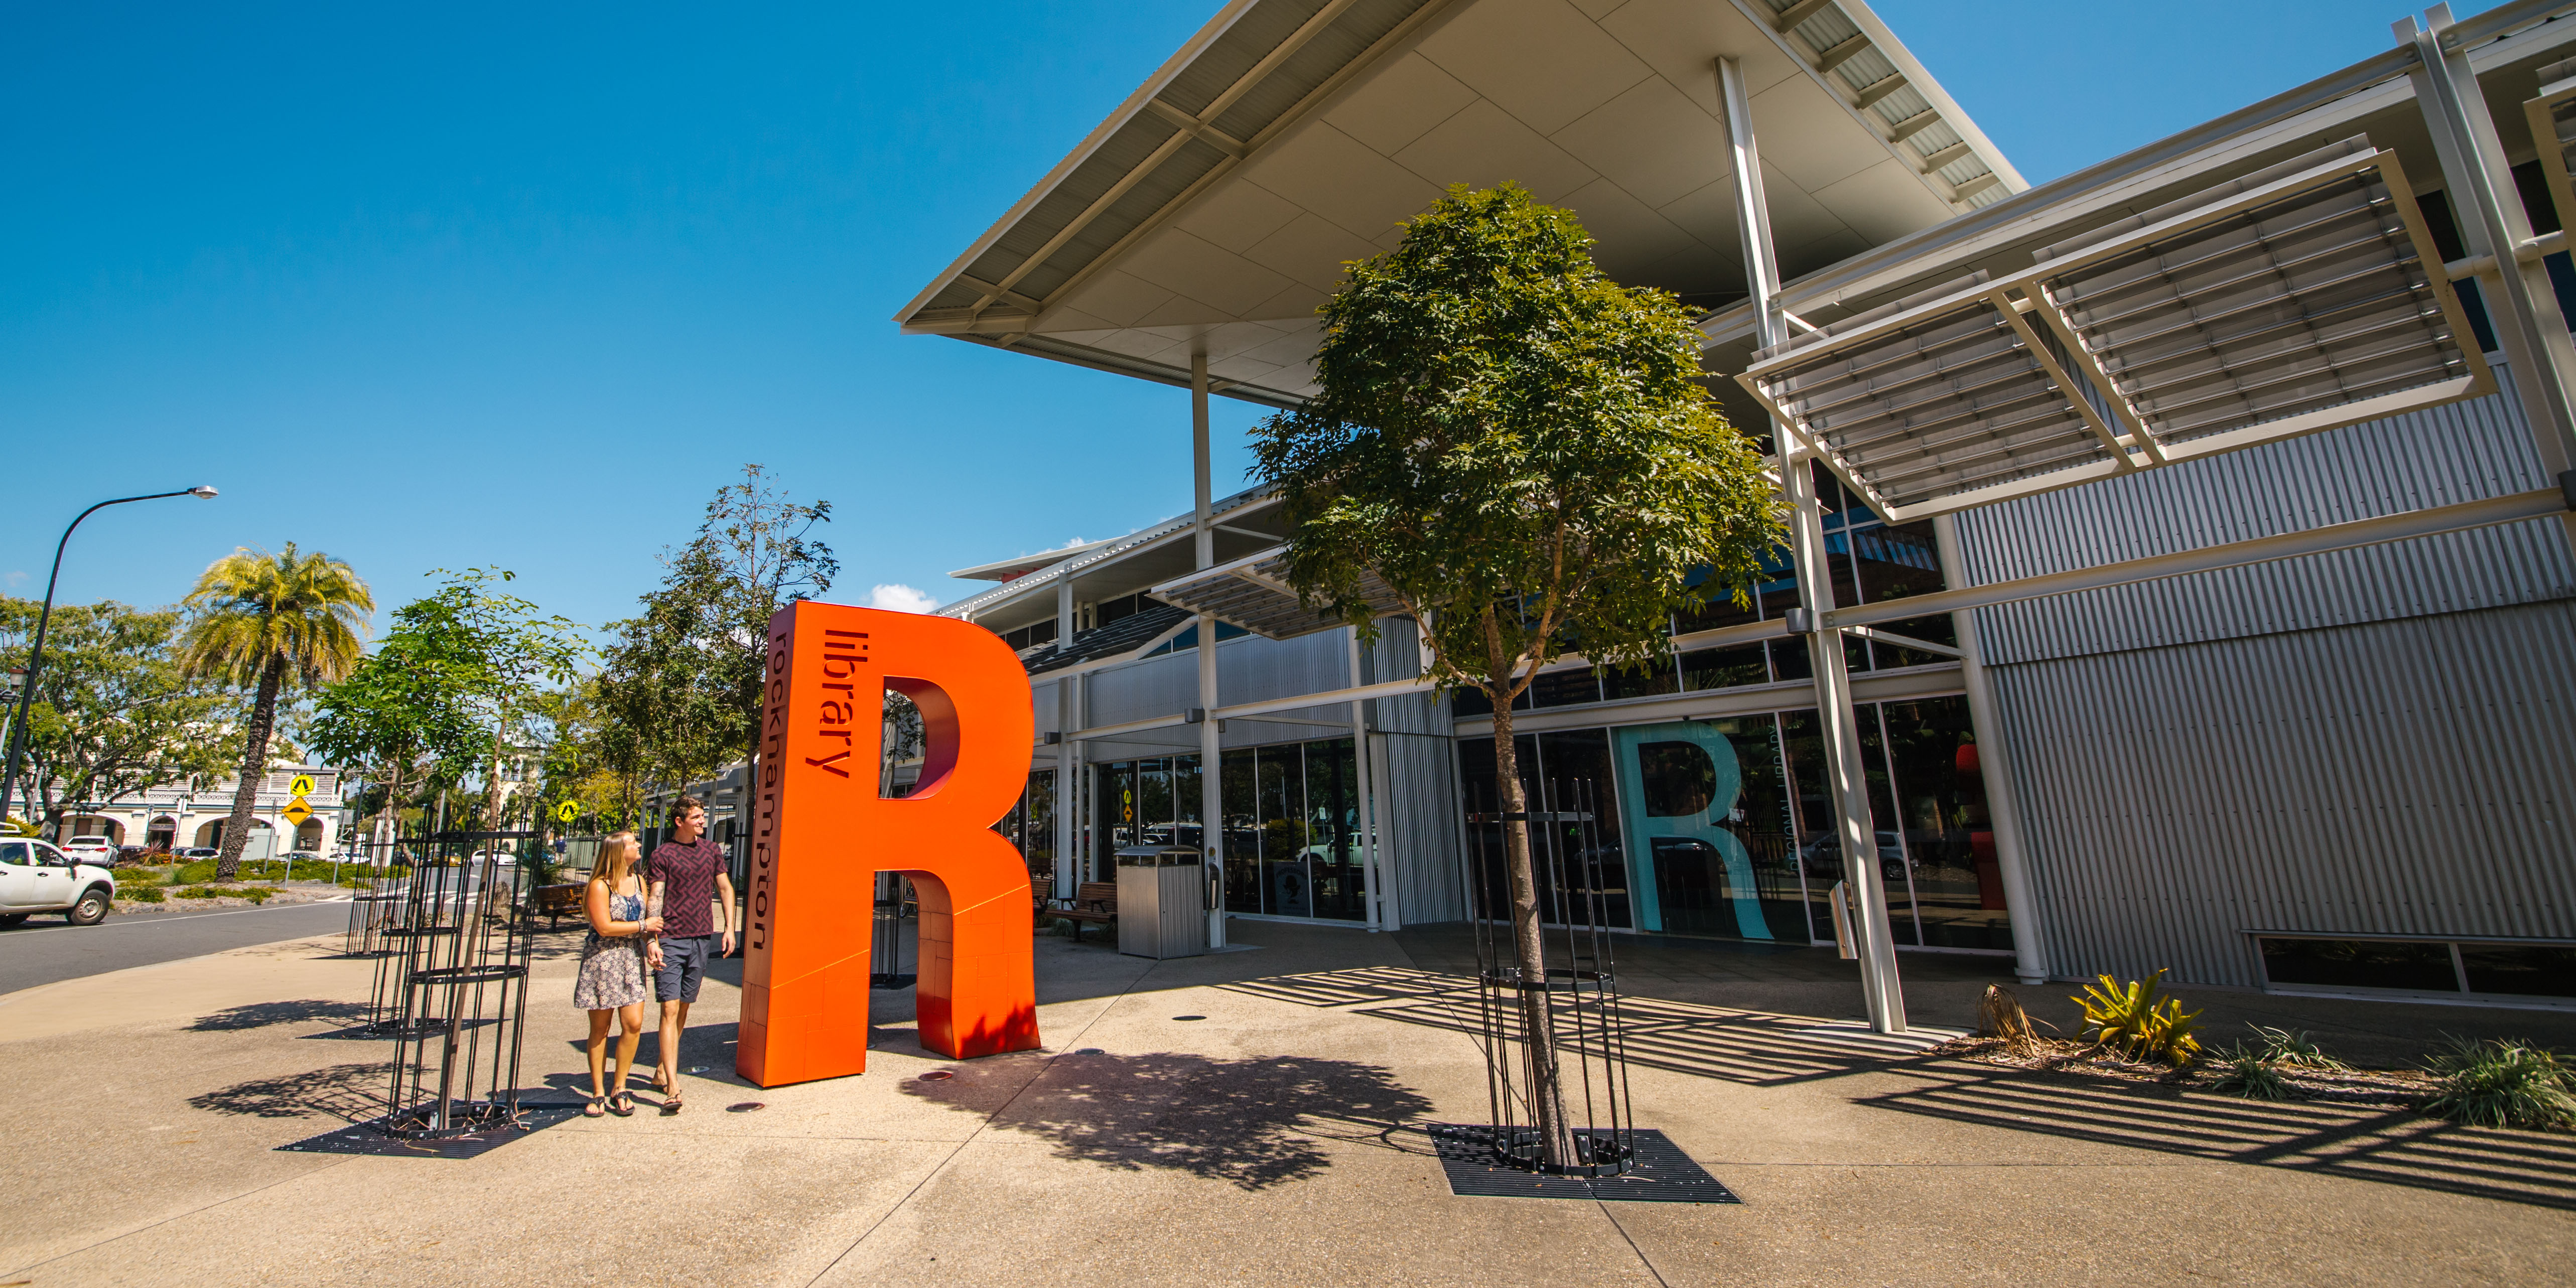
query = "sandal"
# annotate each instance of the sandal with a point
(592, 1109)
(622, 1104)
(671, 1104)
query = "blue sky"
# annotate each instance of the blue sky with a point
(520, 285)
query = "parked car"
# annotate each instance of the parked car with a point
(90, 849)
(502, 857)
(38, 877)
(1825, 854)
(195, 853)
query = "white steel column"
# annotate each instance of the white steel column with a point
(1880, 989)
(1364, 816)
(2520, 302)
(1068, 722)
(1211, 734)
(2003, 804)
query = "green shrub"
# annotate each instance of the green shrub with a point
(197, 873)
(2131, 1019)
(256, 894)
(139, 894)
(2245, 1071)
(2502, 1082)
(2291, 1048)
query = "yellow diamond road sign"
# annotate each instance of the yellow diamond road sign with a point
(297, 810)
(568, 811)
(300, 788)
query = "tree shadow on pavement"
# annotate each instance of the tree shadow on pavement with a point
(1252, 1123)
(351, 1092)
(260, 1015)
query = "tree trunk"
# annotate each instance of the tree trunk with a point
(254, 769)
(492, 790)
(1547, 1104)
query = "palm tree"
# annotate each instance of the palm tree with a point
(264, 622)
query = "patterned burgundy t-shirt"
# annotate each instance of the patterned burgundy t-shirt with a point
(688, 876)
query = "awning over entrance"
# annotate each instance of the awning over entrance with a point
(1218, 204)
(1254, 593)
(2294, 299)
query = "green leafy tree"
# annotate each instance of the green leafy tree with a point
(403, 710)
(498, 653)
(682, 678)
(1519, 449)
(112, 713)
(271, 625)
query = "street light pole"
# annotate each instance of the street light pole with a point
(36, 654)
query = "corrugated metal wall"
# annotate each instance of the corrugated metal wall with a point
(1420, 781)
(2366, 741)
(2408, 777)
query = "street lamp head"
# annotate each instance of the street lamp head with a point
(202, 492)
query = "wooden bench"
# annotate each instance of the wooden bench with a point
(555, 902)
(1092, 902)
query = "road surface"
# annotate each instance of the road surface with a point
(44, 950)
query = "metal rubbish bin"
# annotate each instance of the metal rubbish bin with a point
(1162, 902)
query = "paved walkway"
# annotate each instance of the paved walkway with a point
(1274, 1141)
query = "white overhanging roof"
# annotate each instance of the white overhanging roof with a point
(2300, 297)
(1218, 204)
(1253, 593)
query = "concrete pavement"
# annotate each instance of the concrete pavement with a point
(1275, 1141)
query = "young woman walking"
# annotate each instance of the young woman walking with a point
(611, 983)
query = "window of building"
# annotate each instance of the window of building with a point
(1725, 828)
(1189, 638)
(1031, 635)
(2499, 968)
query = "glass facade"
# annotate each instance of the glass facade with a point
(1872, 562)
(1031, 826)
(1292, 846)
(1725, 827)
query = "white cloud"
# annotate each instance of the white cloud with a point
(900, 598)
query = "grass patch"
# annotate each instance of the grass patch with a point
(2503, 1082)
(138, 894)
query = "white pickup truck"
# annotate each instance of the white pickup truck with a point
(35, 877)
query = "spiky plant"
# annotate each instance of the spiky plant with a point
(1999, 1014)
(2291, 1048)
(2245, 1071)
(269, 623)
(2132, 1019)
(2502, 1082)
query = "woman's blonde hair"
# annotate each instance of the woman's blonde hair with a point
(617, 855)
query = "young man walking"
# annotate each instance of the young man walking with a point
(689, 874)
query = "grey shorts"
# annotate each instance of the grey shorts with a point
(684, 967)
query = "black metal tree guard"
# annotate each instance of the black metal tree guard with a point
(462, 988)
(1559, 1035)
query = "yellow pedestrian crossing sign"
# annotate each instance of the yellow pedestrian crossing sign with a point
(568, 811)
(297, 810)
(301, 787)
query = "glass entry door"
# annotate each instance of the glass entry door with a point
(1708, 827)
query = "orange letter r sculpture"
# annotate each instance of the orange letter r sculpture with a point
(820, 832)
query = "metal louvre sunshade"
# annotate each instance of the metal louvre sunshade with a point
(1254, 593)
(2289, 301)
(2553, 133)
